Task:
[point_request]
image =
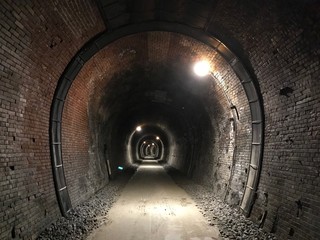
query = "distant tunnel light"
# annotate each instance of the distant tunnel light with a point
(157, 138)
(201, 68)
(120, 168)
(138, 129)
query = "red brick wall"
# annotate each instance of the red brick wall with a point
(280, 39)
(214, 151)
(84, 160)
(280, 42)
(36, 43)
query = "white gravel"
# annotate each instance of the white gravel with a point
(231, 223)
(87, 216)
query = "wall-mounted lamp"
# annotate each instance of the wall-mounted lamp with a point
(202, 68)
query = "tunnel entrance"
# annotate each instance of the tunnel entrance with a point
(194, 115)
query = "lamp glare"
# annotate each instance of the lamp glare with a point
(202, 68)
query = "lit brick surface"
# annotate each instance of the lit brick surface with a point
(37, 40)
(279, 42)
(213, 154)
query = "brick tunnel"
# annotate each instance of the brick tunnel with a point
(89, 88)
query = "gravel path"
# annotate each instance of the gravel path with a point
(231, 223)
(89, 215)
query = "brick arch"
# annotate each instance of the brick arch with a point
(252, 92)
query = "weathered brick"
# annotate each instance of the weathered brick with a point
(277, 40)
(25, 108)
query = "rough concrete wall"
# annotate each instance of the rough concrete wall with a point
(281, 40)
(34, 52)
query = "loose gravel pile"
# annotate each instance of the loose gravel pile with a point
(91, 214)
(86, 217)
(230, 222)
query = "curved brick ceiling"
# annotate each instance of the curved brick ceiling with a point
(151, 67)
(148, 77)
(277, 41)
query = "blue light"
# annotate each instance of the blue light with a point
(120, 168)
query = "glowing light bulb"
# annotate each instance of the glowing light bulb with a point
(201, 68)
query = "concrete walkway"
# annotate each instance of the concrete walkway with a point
(153, 207)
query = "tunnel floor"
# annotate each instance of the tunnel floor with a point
(154, 202)
(153, 206)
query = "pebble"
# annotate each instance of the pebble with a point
(89, 215)
(232, 224)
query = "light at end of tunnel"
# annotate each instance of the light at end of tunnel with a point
(157, 138)
(120, 168)
(138, 129)
(201, 68)
(152, 143)
(144, 142)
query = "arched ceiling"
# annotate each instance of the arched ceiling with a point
(138, 68)
(120, 13)
(154, 67)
